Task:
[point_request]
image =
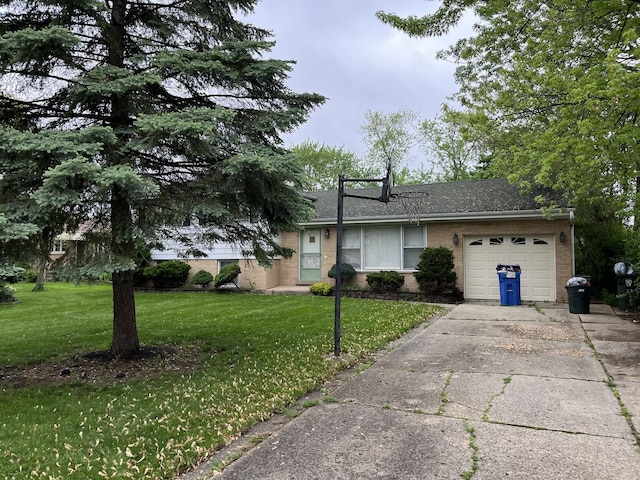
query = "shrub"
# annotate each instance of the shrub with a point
(9, 274)
(320, 288)
(227, 274)
(202, 278)
(346, 271)
(170, 274)
(30, 276)
(435, 270)
(6, 293)
(385, 281)
(142, 259)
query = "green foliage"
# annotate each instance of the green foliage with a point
(320, 288)
(169, 274)
(7, 293)
(554, 88)
(601, 240)
(12, 230)
(202, 278)
(390, 137)
(347, 271)
(30, 276)
(323, 165)
(452, 144)
(385, 281)
(227, 274)
(9, 274)
(434, 272)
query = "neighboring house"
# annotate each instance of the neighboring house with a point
(252, 275)
(484, 223)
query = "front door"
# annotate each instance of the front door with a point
(310, 258)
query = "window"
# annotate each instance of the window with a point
(496, 241)
(518, 241)
(413, 246)
(351, 247)
(59, 246)
(383, 247)
(224, 263)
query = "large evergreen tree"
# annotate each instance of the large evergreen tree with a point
(150, 111)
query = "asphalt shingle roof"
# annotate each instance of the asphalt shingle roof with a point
(454, 199)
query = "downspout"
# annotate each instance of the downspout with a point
(573, 244)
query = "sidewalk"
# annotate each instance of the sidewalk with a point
(485, 392)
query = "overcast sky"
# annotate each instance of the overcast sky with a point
(346, 54)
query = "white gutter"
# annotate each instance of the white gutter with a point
(444, 217)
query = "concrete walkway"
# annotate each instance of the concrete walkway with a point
(484, 392)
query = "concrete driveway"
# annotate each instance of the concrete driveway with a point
(484, 392)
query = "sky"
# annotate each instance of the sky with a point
(342, 51)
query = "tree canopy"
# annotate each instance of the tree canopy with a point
(147, 113)
(391, 138)
(554, 85)
(323, 165)
(452, 144)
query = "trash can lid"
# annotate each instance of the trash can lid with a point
(623, 268)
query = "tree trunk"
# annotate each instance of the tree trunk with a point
(125, 333)
(40, 281)
(125, 341)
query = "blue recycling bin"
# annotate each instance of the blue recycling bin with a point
(509, 278)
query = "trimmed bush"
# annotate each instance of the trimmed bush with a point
(170, 274)
(346, 271)
(227, 274)
(202, 278)
(385, 281)
(320, 288)
(435, 273)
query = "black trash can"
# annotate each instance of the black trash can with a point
(579, 298)
(625, 281)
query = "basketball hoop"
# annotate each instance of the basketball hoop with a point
(413, 204)
(387, 183)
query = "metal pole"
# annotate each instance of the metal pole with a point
(338, 289)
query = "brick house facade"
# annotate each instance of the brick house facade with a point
(484, 222)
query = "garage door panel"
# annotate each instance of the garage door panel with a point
(542, 292)
(534, 253)
(541, 274)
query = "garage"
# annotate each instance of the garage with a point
(534, 253)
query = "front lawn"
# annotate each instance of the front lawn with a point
(224, 362)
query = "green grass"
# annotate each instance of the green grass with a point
(262, 353)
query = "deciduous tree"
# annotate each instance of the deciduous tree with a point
(452, 144)
(323, 165)
(391, 138)
(556, 85)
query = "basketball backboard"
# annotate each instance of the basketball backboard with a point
(387, 183)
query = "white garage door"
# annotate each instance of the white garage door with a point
(534, 253)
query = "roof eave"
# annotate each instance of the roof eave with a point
(448, 217)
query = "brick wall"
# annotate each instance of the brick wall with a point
(441, 234)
